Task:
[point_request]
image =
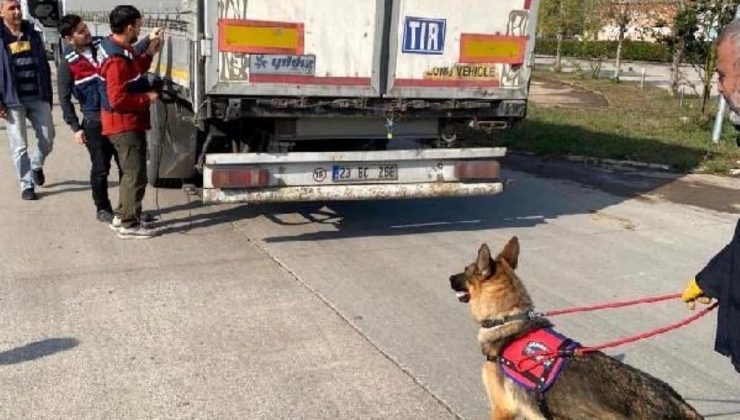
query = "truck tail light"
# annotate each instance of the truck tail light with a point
(488, 169)
(240, 178)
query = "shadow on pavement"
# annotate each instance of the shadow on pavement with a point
(37, 350)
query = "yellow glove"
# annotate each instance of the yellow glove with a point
(693, 293)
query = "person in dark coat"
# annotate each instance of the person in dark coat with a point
(720, 280)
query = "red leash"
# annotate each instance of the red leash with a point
(613, 305)
(652, 333)
(583, 350)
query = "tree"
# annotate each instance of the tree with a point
(620, 13)
(673, 18)
(695, 30)
(564, 18)
(677, 43)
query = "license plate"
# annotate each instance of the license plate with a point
(369, 172)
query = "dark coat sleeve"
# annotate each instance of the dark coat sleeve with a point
(65, 85)
(721, 279)
(719, 270)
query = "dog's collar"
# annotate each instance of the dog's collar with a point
(522, 316)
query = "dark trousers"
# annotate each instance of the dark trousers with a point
(101, 151)
(131, 148)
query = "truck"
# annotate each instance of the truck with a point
(45, 14)
(321, 100)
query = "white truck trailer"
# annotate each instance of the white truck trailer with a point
(313, 100)
(45, 16)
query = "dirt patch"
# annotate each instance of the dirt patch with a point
(551, 93)
(698, 190)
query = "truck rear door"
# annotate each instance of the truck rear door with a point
(432, 48)
(469, 49)
(295, 47)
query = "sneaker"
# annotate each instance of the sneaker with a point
(105, 216)
(29, 194)
(37, 175)
(135, 232)
(147, 221)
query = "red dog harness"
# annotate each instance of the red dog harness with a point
(536, 359)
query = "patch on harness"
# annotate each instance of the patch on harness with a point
(536, 359)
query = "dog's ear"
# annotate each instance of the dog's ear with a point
(510, 254)
(484, 261)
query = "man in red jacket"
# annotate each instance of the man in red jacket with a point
(125, 98)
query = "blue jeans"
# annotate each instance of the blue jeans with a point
(39, 114)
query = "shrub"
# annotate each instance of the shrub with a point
(631, 50)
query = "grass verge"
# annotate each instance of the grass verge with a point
(638, 125)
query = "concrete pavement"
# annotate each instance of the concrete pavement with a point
(335, 310)
(196, 324)
(385, 267)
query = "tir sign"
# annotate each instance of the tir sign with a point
(424, 36)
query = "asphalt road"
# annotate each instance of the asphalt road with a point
(336, 310)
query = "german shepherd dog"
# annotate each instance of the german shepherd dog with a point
(591, 386)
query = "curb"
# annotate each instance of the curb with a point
(622, 164)
(618, 163)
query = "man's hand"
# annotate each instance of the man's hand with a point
(80, 137)
(3, 112)
(156, 39)
(156, 33)
(153, 97)
(693, 294)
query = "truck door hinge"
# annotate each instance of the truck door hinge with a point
(205, 46)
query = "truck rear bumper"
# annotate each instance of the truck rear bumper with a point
(352, 192)
(370, 175)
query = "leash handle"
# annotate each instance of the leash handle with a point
(612, 305)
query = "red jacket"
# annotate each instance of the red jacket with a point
(124, 99)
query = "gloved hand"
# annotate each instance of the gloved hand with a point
(693, 294)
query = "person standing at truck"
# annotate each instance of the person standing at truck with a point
(78, 75)
(125, 99)
(25, 93)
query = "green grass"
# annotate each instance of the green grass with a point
(640, 125)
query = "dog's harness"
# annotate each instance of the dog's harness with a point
(535, 359)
